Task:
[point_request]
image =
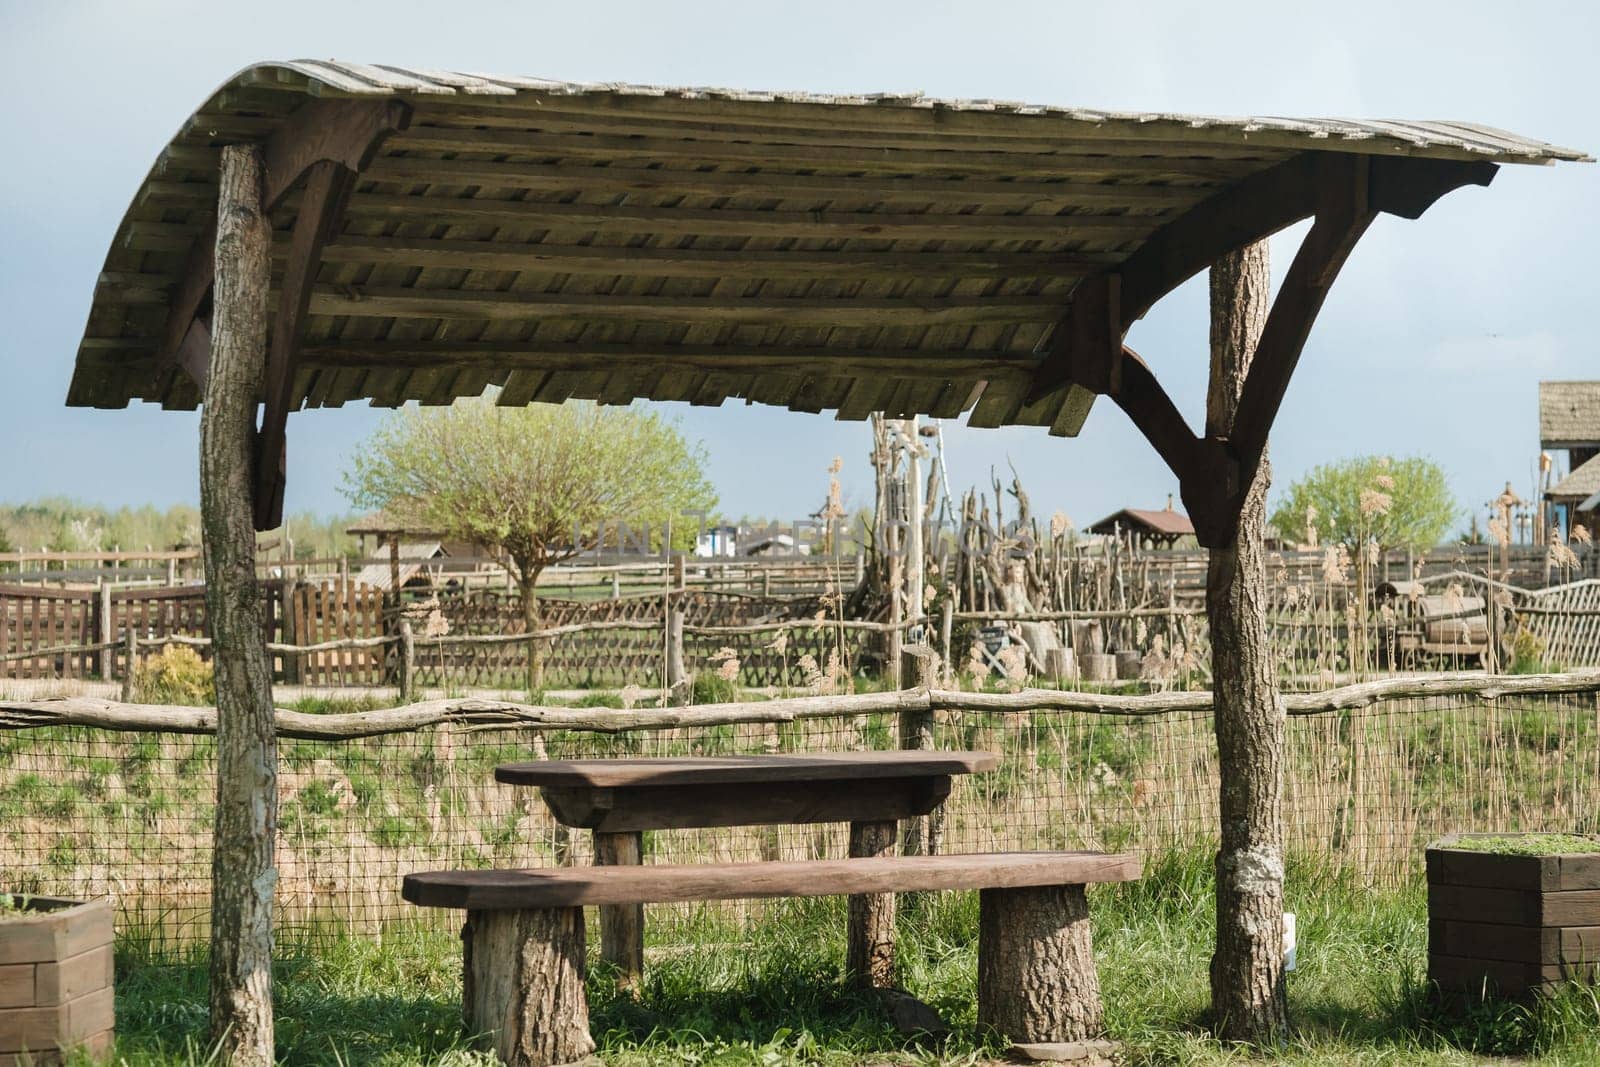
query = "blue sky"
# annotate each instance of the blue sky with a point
(1432, 343)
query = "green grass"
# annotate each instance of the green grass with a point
(772, 993)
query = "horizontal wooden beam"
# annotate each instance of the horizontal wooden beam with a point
(576, 177)
(1086, 162)
(707, 263)
(456, 304)
(551, 356)
(892, 226)
(957, 124)
(819, 132)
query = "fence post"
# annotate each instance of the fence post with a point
(408, 660)
(291, 629)
(172, 571)
(916, 735)
(130, 639)
(946, 625)
(103, 635)
(677, 676)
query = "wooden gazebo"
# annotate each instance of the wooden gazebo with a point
(432, 234)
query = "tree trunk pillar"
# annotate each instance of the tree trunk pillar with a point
(523, 985)
(1037, 983)
(242, 873)
(870, 940)
(1247, 986)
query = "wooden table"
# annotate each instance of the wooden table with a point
(618, 799)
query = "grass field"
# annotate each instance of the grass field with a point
(772, 994)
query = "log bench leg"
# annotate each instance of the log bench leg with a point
(621, 925)
(523, 985)
(869, 957)
(1036, 976)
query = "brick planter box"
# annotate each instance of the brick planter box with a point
(1508, 925)
(55, 982)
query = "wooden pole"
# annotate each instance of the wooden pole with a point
(677, 674)
(622, 925)
(242, 872)
(291, 629)
(130, 656)
(1247, 984)
(870, 937)
(102, 613)
(408, 662)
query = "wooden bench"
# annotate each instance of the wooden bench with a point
(524, 937)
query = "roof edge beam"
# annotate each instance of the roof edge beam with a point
(347, 132)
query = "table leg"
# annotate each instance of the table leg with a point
(870, 952)
(621, 925)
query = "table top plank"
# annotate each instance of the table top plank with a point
(559, 887)
(750, 770)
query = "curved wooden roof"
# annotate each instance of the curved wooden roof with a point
(863, 253)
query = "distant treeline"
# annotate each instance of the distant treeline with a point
(58, 524)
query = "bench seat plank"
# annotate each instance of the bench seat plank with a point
(724, 770)
(565, 887)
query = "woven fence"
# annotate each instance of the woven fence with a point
(91, 811)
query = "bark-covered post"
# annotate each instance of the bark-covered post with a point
(1037, 983)
(523, 985)
(243, 876)
(1247, 989)
(406, 666)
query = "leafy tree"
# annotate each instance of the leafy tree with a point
(1399, 503)
(542, 482)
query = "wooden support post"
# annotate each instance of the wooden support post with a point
(130, 665)
(946, 625)
(523, 985)
(1037, 983)
(407, 664)
(621, 925)
(677, 674)
(243, 873)
(870, 939)
(103, 632)
(1247, 982)
(172, 571)
(291, 630)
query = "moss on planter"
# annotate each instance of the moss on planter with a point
(1526, 844)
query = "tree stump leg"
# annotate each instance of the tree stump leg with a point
(870, 952)
(621, 925)
(1036, 977)
(523, 985)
